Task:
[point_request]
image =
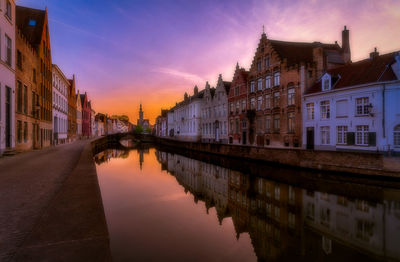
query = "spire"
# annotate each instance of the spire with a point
(237, 65)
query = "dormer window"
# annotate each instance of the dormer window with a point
(326, 82)
(32, 22)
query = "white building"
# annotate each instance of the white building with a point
(7, 75)
(60, 106)
(187, 117)
(170, 123)
(355, 107)
(214, 112)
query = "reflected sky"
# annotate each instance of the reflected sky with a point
(165, 206)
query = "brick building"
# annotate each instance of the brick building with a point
(72, 128)
(279, 75)
(237, 103)
(86, 116)
(33, 25)
(27, 112)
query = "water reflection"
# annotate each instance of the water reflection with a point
(286, 221)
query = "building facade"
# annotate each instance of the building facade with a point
(355, 107)
(72, 125)
(214, 112)
(277, 79)
(27, 111)
(187, 117)
(237, 107)
(86, 118)
(60, 106)
(7, 76)
(78, 106)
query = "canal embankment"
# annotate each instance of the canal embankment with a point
(53, 209)
(360, 163)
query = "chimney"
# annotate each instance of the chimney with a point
(346, 45)
(374, 54)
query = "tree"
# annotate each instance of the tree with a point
(138, 129)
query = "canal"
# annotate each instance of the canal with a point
(162, 205)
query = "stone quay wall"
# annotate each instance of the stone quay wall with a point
(346, 162)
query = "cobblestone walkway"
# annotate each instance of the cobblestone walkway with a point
(29, 183)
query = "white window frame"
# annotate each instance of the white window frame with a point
(277, 78)
(341, 132)
(362, 106)
(325, 109)
(396, 136)
(362, 135)
(259, 84)
(252, 87)
(291, 96)
(267, 82)
(325, 135)
(310, 111)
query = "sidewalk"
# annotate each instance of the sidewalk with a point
(50, 206)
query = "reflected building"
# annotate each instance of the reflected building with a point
(287, 222)
(106, 155)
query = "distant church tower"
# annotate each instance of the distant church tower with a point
(140, 120)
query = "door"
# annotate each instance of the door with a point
(310, 137)
(8, 117)
(244, 137)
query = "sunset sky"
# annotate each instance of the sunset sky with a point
(124, 52)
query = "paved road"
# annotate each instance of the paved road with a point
(28, 183)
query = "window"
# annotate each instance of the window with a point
(232, 105)
(341, 108)
(325, 110)
(291, 93)
(267, 124)
(267, 82)
(362, 106)
(252, 103)
(276, 99)
(277, 123)
(25, 132)
(326, 85)
(19, 131)
(396, 136)
(325, 135)
(25, 99)
(291, 194)
(259, 102)
(310, 111)
(19, 97)
(8, 50)
(251, 86)
(8, 10)
(19, 59)
(342, 135)
(259, 65)
(259, 84)
(362, 135)
(243, 105)
(267, 101)
(244, 124)
(277, 192)
(237, 106)
(236, 91)
(32, 22)
(231, 126)
(267, 62)
(277, 78)
(259, 125)
(291, 122)
(237, 126)
(277, 212)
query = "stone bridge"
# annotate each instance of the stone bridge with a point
(116, 141)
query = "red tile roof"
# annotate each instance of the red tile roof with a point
(33, 33)
(365, 71)
(296, 52)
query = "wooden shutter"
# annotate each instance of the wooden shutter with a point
(372, 138)
(350, 138)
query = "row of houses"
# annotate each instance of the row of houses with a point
(296, 95)
(39, 105)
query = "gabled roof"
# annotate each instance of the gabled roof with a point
(369, 70)
(31, 30)
(82, 99)
(296, 52)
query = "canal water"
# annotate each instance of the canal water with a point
(182, 206)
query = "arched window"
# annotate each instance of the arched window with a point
(396, 135)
